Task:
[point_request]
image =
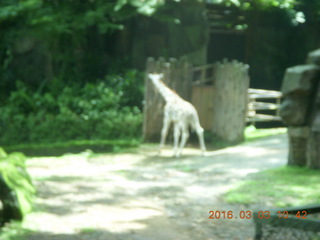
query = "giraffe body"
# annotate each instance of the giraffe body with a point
(181, 113)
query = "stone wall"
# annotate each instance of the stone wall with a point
(300, 110)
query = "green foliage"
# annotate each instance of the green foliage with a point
(257, 3)
(14, 173)
(129, 86)
(107, 109)
(73, 41)
(285, 186)
(78, 41)
(107, 15)
(14, 231)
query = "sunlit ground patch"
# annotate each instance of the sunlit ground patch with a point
(285, 186)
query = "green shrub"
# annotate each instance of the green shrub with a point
(130, 86)
(107, 109)
(17, 190)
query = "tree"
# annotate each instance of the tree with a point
(68, 41)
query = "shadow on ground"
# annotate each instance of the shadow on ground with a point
(145, 196)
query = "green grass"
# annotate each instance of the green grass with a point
(87, 230)
(282, 187)
(57, 149)
(14, 231)
(252, 133)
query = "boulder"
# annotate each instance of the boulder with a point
(314, 57)
(298, 86)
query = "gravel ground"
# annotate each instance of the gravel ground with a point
(143, 196)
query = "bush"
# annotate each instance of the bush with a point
(102, 110)
(16, 188)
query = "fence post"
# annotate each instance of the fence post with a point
(231, 82)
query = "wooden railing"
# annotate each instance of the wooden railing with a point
(256, 103)
(260, 100)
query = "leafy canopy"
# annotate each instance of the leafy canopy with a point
(256, 3)
(64, 16)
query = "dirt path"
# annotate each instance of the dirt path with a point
(141, 196)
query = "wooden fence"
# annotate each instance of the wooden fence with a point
(258, 104)
(202, 93)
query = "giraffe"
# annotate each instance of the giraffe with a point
(181, 113)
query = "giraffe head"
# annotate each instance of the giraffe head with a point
(155, 76)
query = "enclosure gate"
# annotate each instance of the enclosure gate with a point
(257, 102)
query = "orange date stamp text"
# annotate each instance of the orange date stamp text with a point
(251, 214)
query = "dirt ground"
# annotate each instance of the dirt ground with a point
(143, 196)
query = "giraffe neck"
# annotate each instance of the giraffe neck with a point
(167, 93)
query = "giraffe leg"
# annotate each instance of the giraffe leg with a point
(164, 132)
(201, 139)
(184, 138)
(176, 136)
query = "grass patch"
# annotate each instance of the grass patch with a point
(251, 133)
(14, 231)
(57, 149)
(87, 230)
(282, 187)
